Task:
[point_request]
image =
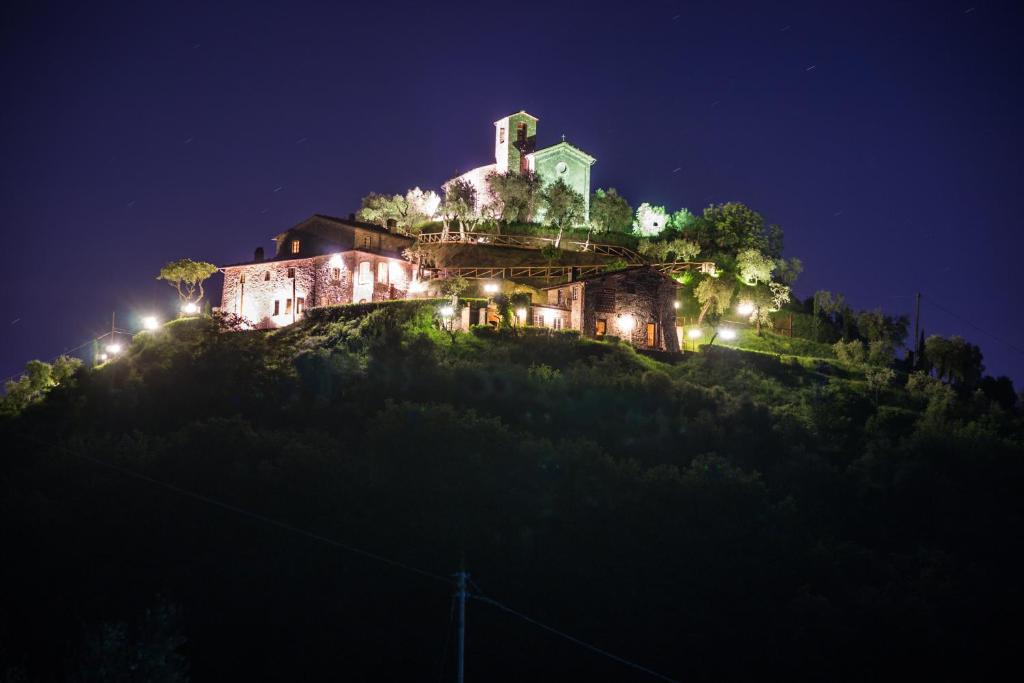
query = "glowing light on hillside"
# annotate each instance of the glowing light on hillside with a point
(447, 311)
(150, 322)
(727, 333)
(113, 349)
(626, 323)
(190, 308)
(695, 333)
(103, 357)
(492, 288)
(675, 305)
(521, 314)
(745, 308)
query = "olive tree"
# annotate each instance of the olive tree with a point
(187, 276)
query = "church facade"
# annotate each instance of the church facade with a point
(515, 149)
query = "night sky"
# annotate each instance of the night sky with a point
(885, 138)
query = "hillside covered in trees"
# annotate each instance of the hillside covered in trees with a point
(780, 512)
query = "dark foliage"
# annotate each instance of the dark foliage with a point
(719, 516)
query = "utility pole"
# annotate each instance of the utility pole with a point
(461, 577)
(917, 323)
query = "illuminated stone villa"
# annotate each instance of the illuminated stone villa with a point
(636, 304)
(515, 148)
(319, 262)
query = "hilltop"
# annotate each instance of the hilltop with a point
(726, 514)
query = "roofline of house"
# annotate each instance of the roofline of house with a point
(314, 256)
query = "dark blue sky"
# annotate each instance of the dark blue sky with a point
(885, 138)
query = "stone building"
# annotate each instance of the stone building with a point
(636, 304)
(515, 149)
(321, 261)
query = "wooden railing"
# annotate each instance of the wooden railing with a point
(529, 242)
(512, 272)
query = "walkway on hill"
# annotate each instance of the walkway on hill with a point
(512, 272)
(529, 242)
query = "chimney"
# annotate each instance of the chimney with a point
(258, 256)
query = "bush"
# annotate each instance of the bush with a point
(851, 352)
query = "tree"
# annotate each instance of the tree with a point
(187, 276)
(37, 380)
(422, 206)
(609, 211)
(514, 196)
(788, 270)
(670, 250)
(682, 220)
(563, 207)
(878, 379)
(955, 360)
(650, 220)
(460, 204)
(754, 267)
(733, 227)
(876, 326)
(714, 295)
(383, 208)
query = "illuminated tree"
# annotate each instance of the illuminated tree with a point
(754, 267)
(187, 276)
(609, 211)
(514, 196)
(563, 207)
(405, 211)
(650, 220)
(460, 204)
(682, 220)
(422, 205)
(714, 296)
(35, 382)
(671, 250)
(878, 379)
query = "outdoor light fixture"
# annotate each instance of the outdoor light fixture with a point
(103, 357)
(626, 323)
(521, 313)
(150, 322)
(447, 311)
(113, 349)
(675, 304)
(745, 308)
(727, 333)
(190, 308)
(695, 333)
(492, 288)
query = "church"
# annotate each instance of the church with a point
(515, 149)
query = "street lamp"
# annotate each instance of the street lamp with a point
(491, 288)
(727, 333)
(190, 308)
(695, 333)
(113, 349)
(150, 322)
(745, 308)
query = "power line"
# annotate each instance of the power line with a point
(964, 320)
(581, 643)
(245, 513)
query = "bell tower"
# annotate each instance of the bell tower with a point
(515, 136)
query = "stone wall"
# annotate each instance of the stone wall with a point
(264, 293)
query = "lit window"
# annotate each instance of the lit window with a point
(336, 274)
(382, 272)
(366, 242)
(266, 276)
(602, 328)
(291, 272)
(501, 135)
(364, 273)
(300, 304)
(295, 246)
(287, 306)
(277, 307)
(575, 291)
